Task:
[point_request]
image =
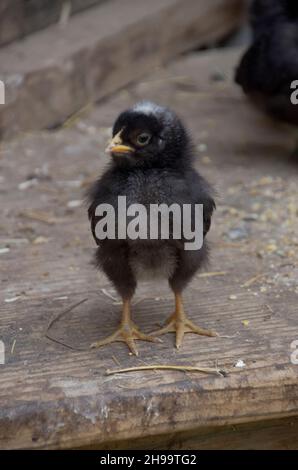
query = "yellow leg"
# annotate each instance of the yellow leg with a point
(127, 332)
(179, 323)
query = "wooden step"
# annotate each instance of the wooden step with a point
(19, 18)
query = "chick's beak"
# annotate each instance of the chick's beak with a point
(116, 146)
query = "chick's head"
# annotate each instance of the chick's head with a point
(149, 135)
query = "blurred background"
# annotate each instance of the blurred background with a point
(61, 55)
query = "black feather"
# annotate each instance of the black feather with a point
(162, 172)
(270, 65)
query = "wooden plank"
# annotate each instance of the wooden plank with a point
(264, 435)
(11, 14)
(38, 16)
(55, 397)
(18, 18)
(51, 75)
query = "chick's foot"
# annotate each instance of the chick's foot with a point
(179, 323)
(127, 333)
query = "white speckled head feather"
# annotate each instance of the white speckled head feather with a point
(147, 107)
(160, 112)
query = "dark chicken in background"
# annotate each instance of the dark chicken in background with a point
(270, 65)
(151, 164)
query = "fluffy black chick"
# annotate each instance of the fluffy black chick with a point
(270, 65)
(151, 164)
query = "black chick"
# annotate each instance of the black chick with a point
(151, 163)
(270, 65)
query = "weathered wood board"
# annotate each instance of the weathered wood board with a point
(53, 74)
(260, 435)
(18, 18)
(55, 397)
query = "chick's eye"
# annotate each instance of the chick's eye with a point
(143, 139)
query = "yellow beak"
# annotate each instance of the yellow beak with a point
(116, 145)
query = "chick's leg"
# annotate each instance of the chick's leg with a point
(127, 332)
(179, 323)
